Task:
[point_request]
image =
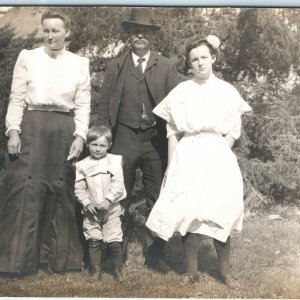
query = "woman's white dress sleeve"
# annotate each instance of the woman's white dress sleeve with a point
(82, 101)
(17, 101)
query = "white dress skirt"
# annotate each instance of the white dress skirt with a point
(203, 188)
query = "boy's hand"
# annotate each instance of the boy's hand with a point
(104, 206)
(91, 208)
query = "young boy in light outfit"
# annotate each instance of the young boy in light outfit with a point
(99, 187)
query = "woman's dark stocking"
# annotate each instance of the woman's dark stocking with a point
(223, 254)
(191, 244)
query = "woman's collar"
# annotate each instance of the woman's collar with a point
(210, 79)
(54, 54)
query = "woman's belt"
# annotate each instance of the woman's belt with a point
(186, 134)
(49, 108)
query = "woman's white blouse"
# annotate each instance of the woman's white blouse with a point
(193, 108)
(42, 81)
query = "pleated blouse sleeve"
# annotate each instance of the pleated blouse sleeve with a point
(238, 108)
(82, 101)
(17, 99)
(164, 110)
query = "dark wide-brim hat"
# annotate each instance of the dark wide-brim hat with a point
(141, 16)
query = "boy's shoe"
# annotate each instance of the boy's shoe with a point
(95, 249)
(230, 281)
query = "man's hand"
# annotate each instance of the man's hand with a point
(14, 142)
(76, 148)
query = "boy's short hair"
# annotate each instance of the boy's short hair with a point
(98, 131)
(56, 14)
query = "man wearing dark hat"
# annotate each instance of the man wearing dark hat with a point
(133, 85)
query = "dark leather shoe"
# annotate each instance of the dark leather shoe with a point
(118, 276)
(107, 265)
(163, 267)
(191, 279)
(159, 266)
(230, 281)
(95, 275)
(47, 269)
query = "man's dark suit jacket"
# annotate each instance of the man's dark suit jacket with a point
(160, 74)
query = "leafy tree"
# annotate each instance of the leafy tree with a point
(260, 55)
(267, 45)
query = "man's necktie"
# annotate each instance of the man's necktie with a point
(141, 73)
(139, 65)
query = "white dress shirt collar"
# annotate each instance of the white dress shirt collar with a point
(144, 63)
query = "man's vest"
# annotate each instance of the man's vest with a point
(136, 103)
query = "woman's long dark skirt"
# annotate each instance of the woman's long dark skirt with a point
(37, 201)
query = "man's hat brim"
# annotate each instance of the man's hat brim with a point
(130, 24)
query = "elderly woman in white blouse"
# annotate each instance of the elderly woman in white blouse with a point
(203, 191)
(47, 121)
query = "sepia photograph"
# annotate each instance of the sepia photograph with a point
(150, 151)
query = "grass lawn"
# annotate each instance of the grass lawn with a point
(265, 258)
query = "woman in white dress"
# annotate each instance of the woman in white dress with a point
(202, 194)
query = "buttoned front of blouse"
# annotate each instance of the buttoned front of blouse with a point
(44, 83)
